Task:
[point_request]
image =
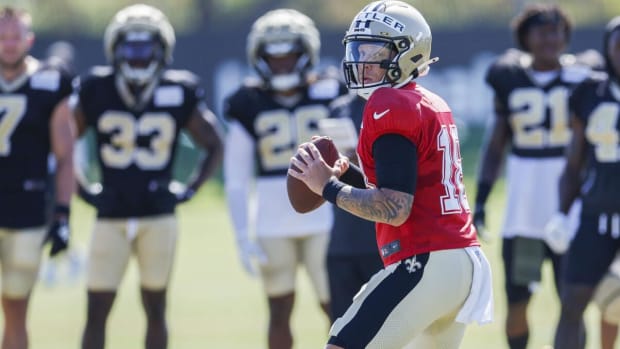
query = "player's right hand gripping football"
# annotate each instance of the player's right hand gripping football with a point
(479, 223)
(250, 254)
(58, 236)
(557, 233)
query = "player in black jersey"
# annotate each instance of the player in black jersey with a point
(352, 254)
(269, 118)
(35, 120)
(592, 174)
(137, 107)
(531, 86)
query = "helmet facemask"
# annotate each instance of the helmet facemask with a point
(139, 42)
(275, 39)
(369, 64)
(139, 56)
(275, 65)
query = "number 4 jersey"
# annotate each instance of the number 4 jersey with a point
(440, 216)
(136, 138)
(597, 103)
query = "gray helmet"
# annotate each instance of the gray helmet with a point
(139, 24)
(392, 25)
(280, 32)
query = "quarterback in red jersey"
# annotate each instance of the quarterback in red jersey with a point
(440, 215)
(436, 278)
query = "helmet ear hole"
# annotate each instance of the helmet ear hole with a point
(394, 74)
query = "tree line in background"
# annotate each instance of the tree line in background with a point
(91, 17)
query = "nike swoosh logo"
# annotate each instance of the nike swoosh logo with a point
(378, 116)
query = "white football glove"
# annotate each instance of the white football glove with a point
(250, 252)
(557, 233)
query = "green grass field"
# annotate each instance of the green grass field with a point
(213, 304)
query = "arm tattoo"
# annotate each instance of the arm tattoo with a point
(378, 205)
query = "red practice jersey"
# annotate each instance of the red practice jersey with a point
(440, 218)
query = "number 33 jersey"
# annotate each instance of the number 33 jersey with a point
(136, 138)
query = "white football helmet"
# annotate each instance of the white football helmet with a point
(388, 26)
(279, 33)
(139, 42)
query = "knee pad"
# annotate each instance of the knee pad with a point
(607, 298)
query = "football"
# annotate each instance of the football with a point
(301, 197)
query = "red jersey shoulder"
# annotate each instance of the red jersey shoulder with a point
(391, 110)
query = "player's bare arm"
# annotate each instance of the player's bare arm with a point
(204, 130)
(63, 133)
(375, 204)
(378, 204)
(570, 181)
(494, 149)
(80, 120)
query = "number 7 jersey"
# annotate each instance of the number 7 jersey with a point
(440, 216)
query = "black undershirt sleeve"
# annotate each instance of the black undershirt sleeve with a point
(396, 163)
(354, 177)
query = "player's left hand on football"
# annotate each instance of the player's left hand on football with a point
(58, 236)
(557, 233)
(315, 172)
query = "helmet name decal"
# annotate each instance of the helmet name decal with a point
(363, 20)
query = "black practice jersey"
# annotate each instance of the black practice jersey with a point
(277, 129)
(136, 138)
(351, 235)
(26, 108)
(537, 113)
(597, 103)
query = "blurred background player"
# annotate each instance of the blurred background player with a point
(137, 108)
(591, 173)
(531, 87)
(35, 120)
(268, 118)
(352, 253)
(436, 278)
(61, 54)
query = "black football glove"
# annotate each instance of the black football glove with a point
(58, 236)
(89, 194)
(182, 192)
(185, 195)
(479, 223)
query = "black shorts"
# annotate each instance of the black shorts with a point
(347, 274)
(523, 260)
(591, 252)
